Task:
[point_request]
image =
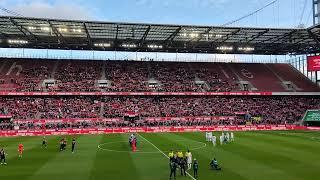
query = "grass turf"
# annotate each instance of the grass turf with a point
(274, 155)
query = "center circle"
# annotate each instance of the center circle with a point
(118, 146)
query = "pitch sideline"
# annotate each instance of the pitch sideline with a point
(163, 154)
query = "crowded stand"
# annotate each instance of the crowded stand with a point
(95, 111)
(174, 77)
(127, 76)
(23, 75)
(80, 76)
(50, 108)
(215, 77)
(50, 111)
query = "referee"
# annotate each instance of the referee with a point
(44, 142)
(173, 169)
(171, 155)
(3, 157)
(73, 145)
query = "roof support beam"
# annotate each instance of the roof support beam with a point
(57, 33)
(314, 37)
(230, 35)
(258, 35)
(204, 33)
(24, 30)
(173, 35)
(280, 38)
(88, 34)
(117, 34)
(141, 41)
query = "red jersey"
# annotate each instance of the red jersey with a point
(20, 147)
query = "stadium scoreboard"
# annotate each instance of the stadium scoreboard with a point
(312, 115)
(313, 63)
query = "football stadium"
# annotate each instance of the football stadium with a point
(154, 90)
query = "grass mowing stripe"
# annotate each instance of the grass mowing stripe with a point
(66, 165)
(34, 158)
(93, 160)
(202, 155)
(253, 155)
(147, 165)
(302, 138)
(289, 157)
(163, 153)
(238, 163)
(286, 149)
(111, 165)
(269, 159)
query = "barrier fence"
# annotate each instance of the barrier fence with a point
(47, 132)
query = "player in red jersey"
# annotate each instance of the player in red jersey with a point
(20, 150)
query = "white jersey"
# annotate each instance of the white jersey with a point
(221, 140)
(228, 137)
(231, 136)
(210, 136)
(214, 140)
(189, 158)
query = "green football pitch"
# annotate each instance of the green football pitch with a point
(283, 155)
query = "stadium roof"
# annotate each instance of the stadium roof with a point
(19, 32)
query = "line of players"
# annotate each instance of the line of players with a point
(184, 162)
(63, 145)
(3, 154)
(225, 138)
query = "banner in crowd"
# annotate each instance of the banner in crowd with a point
(149, 130)
(313, 63)
(4, 93)
(190, 118)
(43, 121)
(5, 116)
(194, 118)
(135, 93)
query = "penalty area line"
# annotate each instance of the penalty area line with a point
(163, 153)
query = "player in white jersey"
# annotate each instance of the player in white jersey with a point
(221, 140)
(207, 136)
(228, 137)
(231, 136)
(214, 140)
(189, 159)
(210, 136)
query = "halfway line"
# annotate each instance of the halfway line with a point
(163, 153)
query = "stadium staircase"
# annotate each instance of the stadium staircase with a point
(259, 76)
(289, 73)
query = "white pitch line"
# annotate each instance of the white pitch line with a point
(163, 154)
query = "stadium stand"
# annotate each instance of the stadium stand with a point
(67, 76)
(118, 111)
(22, 75)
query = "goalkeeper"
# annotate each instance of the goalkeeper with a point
(214, 164)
